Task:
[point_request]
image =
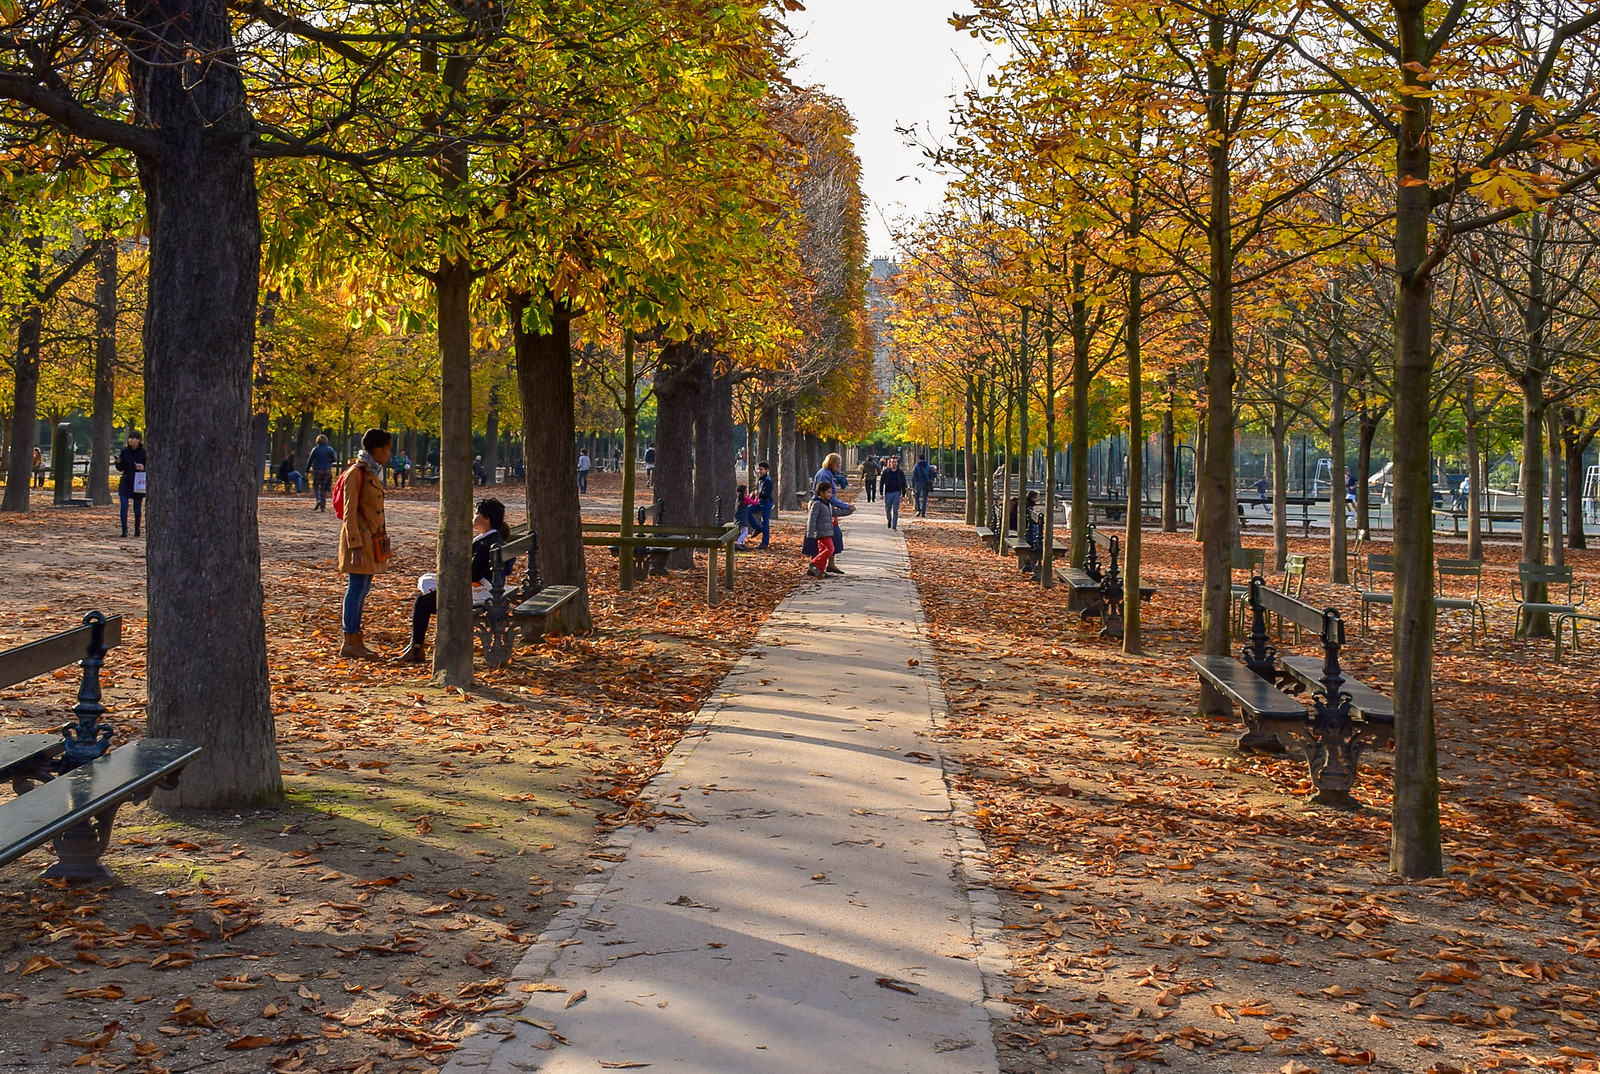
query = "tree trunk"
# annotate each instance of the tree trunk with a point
(973, 518)
(105, 365)
(1216, 511)
(1366, 432)
(1280, 473)
(1339, 566)
(549, 444)
(677, 396)
(708, 477)
(1415, 848)
(453, 634)
(788, 482)
(630, 472)
(1533, 488)
(1576, 442)
(25, 393)
(206, 671)
(1169, 459)
(1554, 485)
(1078, 544)
(1132, 546)
(1474, 464)
(491, 438)
(1047, 555)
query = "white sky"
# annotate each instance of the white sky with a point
(894, 63)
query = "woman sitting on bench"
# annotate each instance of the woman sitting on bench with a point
(490, 532)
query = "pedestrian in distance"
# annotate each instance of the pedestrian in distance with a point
(921, 485)
(893, 483)
(364, 549)
(650, 466)
(584, 465)
(478, 473)
(489, 531)
(764, 501)
(869, 477)
(822, 524)
(38, 470)
(320, 463)
(293, 480)
(402, 470)
(131, 485)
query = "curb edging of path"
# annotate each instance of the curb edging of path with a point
(482, 1040)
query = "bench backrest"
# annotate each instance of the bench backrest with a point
(1460, 568)
(525, 548)
(652, 514)
(55, 652)
(1326, 623)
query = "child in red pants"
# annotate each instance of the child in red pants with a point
(819, 526)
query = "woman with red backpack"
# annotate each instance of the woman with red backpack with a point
(364, 537)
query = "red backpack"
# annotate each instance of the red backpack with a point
(339, 494)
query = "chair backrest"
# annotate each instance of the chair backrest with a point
(1294, 574)
(1460, 568)
(1249, 559)
(1549, 576)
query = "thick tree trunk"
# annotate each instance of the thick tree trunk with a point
(724, 459)
(549, 441)
(1533, 488)
(453, 634)
(1078, 543)
(677, 397)
(1280, 476)
(767, 440)
(709, 481)
(306, 439)
(787, 484)
(1575, 443)
(1047, 556)
(1415, 848)
(105, 365)
(206, 677)
(970, 487)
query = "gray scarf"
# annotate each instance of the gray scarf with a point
(371, 464)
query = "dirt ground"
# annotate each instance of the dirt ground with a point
(1173, 904)
(428, 837)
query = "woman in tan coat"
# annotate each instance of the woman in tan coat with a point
(364, 536)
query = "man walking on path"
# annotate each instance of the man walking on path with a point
(320, 463)
(894, 487)
(650, 466)
(869, 477)
(921, 485)
(764, 502)
(583, 471)
(812, 916)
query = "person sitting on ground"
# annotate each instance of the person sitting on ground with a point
(821, 524)
(490, 531)
(293, 480)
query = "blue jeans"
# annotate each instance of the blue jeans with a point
(583, 480)
(920, 498)
(355, 596)
(891, 509)
(138, 504)
(766, 522)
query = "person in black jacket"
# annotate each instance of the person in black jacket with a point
(131, 462)
(490, 532)
(893, 482)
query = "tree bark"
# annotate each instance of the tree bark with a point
(677, 396)
(708, 476)
(787, 483)
(1339, 566)
(453, 633)
(491, 438)
(1415, 848)
(1474, 465)
(1078, 542)
(550, 453)
(1555, 550)
(25, 390)
(206, 636)
(1132, 546)
(1216, 509)
(105, 366)
(1169, 459)
(1280, 470)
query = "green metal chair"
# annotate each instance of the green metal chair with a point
(1377, 566)
(1442, 602)
(1253, 561)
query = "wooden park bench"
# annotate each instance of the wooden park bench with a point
(659, 541)
(524, 612)
(1029, 548)
(70, 785)
(1473, 604)
(1346, 717)
(1488, 518)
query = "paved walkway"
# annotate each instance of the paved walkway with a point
(807, 914)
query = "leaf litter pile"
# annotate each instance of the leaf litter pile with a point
(1172, 904)
(430, 834)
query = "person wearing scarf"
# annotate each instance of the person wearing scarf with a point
(364, 536)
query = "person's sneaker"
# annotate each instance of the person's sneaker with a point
(833, 569)
(811, 569)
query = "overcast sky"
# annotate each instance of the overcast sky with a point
(894, 63)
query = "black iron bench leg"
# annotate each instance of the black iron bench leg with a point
(79, 849)
(1332, 748)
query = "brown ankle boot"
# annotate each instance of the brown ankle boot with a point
(412, 654)
(354, 647)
